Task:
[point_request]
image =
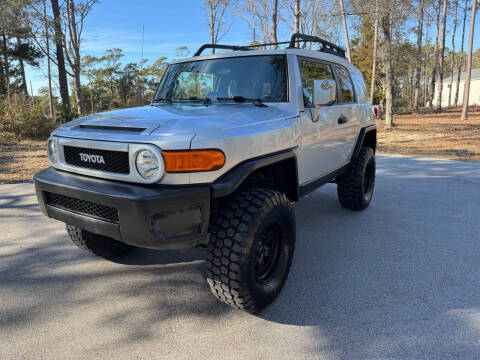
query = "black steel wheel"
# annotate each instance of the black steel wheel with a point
(251, 248)
(267, 252)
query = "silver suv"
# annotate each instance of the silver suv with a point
(228, 143)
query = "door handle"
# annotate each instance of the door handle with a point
(342, 119)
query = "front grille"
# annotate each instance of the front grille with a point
(111, 161)
(102, 212)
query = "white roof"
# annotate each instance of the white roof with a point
(475, 76)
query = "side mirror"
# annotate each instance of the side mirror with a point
(324, 92)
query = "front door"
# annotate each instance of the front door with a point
(322, 137)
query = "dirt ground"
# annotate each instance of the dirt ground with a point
(20, 160)
(442, 135)
(433, 135)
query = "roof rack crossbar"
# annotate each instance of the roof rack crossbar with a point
(219, 46)
(326, 46)
(268, 44)
(235, 47)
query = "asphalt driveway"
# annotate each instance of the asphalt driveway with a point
(400, 280)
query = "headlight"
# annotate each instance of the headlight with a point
(147, 164)
(52, 150)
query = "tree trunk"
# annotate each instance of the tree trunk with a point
(91, 101)
(212, 24)
(296, 25)
(62, 72)
(453, 55)
(442, 56)
(425, 82)
(78, 90)
(49, 71)
(374, 57)
(6, 64)
(459, 70)
(24, 79)
(435, 54)
(274, 22)
(418, 53)
(345, 29)
(24, 85)
(466, 92)
(387, 34)
(31, 90)
(76, 57)
(2, 76)
(112, 94)
(254, 28)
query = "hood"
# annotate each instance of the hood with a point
(160, 122)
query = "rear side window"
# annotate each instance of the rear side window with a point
(360, 89)
(309, 72)
(345, 84)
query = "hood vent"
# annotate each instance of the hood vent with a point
(127, 129)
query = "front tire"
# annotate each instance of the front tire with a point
(355, 186)
(99, 245)
(251, 248)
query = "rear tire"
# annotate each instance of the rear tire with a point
(251, 248)
(355, 186)
(97, 244)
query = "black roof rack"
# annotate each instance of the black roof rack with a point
(326, 46)
(219, 46)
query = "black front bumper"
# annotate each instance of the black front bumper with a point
(152, 216)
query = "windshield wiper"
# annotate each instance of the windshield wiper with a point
(240, 98)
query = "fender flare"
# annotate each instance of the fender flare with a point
(361, 137)
(231, 181)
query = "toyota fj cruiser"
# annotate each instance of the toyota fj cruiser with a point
(228, 143)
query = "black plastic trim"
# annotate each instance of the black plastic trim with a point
(361, 137)
(315, 184)
(230, 181)
(152, 216)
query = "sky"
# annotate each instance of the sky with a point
(167, 26)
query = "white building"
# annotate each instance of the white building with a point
(474, 98)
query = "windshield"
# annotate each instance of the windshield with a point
(256, 77)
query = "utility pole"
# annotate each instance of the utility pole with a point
(345, 29)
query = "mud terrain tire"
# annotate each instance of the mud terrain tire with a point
(97, 244)
(251, 248)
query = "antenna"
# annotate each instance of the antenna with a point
(141, 67)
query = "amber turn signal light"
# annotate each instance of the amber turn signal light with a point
(193, 160)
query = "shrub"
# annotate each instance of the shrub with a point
(20, 118)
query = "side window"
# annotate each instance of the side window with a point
(346, 85)
(309, 72)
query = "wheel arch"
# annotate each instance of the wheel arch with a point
(275, 171)
(366, 137)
